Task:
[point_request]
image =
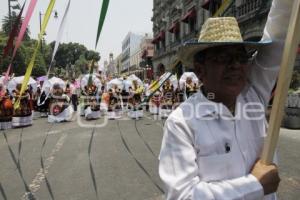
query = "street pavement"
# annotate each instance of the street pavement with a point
(118, 161)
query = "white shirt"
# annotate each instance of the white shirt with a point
(206, 153)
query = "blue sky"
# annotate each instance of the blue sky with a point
(122, 17)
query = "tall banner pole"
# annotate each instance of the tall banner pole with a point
(284, 79)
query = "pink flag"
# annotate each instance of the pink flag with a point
(21, 33)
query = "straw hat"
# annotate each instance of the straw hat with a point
(217, 31)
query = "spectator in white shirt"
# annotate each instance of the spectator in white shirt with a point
(213, 141)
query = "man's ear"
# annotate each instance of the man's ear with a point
(199, 70)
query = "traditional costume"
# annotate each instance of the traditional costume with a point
(22, 116)
(135, 101)
(90, 106)
(6, 110)
(43, 104)
(190, 87)
(60, 109)
(155, 102)
(114, 105)
(167, 99)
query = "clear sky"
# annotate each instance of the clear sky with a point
(122, 16)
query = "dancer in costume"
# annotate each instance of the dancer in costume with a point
(22, 116)
(114, 104)
(60, 108)
(90, 104)
(190, 87)
(135, 100)
(6, 109)
(90, 107)
(125, 94)
(155, 102)
(167, 99)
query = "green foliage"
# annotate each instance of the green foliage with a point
(92, 55)
(71, 59)
(68, 54)
(7, 23)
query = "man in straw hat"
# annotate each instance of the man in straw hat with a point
(213, 141)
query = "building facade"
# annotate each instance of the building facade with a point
(147, 53)
(119, 64)
(176, 21)
(129, 45)
(111, 66)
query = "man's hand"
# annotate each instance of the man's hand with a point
(267, 175)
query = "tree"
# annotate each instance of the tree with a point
(6, 25)
(81, 65)
(92, 55)
(18, 65)
(68, 54)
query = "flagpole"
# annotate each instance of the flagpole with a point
(284, 79)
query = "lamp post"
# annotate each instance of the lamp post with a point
(40, 19)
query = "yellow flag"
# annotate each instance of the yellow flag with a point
(223, 7)
(31, 63)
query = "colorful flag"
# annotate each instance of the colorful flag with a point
(13, 34)
(21, 34)
(59, 34)
(157, 84)
(104, 9)
(31, 63)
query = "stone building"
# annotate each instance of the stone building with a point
(119, 64)
(111, 66)
(176, 21)
(130, 43)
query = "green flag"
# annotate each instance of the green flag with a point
(104, 8)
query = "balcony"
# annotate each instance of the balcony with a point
(191, 35)
(175, 44)
(248, 8)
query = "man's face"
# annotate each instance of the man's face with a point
(224, 70)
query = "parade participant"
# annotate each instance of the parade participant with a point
(22, 116)
(114, 105)
(105, 99)
(90, 105)
(68, 90)
(74, 96)
(167, 99)
(6, 109)
(60, 109)
(125, 94)
(43, 104)
(146, 86)
(190, 87)
(161, 69)
(99, 97)
(35, 96)
(212, 142)
(154, 104)
(135, 100)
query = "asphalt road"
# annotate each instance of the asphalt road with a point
(118, 161)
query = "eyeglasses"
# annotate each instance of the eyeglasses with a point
(226, 58)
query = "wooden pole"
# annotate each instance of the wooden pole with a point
(285, 75)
